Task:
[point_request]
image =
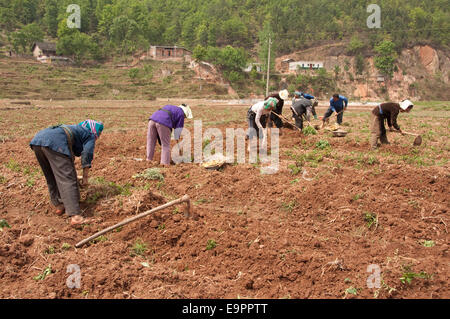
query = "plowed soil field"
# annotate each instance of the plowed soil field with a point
(311, 230)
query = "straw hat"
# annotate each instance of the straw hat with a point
(284, 94)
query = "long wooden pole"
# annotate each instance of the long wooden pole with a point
(184, 199)
(285, 119)
(268, 66)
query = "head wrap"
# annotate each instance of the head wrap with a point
(187, 111)
(405, 104)
(270, 102)
(95, 127)
(297, 93)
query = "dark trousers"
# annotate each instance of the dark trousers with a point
(298, 116)
(252, 127)
(339, 117)
(61, 176)
(275, 119)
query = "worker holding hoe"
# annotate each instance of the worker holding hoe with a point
(55, 149)
(281, 97)
(160, 126)
(338, 104)
(299, 109)
(257, 115)
(310, 109)
(388, 111)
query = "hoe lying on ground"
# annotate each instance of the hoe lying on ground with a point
(184, 199)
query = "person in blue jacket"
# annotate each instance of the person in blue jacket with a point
(338, 104)
(55, 149)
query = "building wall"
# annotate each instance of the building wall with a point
(305, 65)
(168, 53)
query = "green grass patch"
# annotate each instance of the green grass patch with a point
(309, 130)
(408, 275)
(151, 174)
(322, 144)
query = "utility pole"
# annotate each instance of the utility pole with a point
(268, 66)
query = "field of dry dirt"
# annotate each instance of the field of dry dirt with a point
(309, 231)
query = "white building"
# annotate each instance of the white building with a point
(304, 65)
(250, 67)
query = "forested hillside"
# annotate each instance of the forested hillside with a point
(110, 26)
(231, 33)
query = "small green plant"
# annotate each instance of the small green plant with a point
(211, 244)
(309, 130)
(4, 224)
(351, 290)
(289, 207)
(428, 243)
(139, 248)
(161, 226)
(409, 275)
(358, 196)
(151, 174)
(118, 229)
(371, 219)
(47, 271)
(322, 144)
(49, 250)
(99, 239)
(66, 246)
(372, 160)
(3, 179)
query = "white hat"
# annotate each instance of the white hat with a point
(284, 94)
(405, 104)
(187, 111)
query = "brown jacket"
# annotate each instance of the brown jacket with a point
(389, 111)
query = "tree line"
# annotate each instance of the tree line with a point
(121, 27)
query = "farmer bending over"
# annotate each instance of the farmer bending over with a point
(299, 109)
(256, 113)
(388, 111)
(338, 104)
(160, 127)
(281, 97)
(310, 109)
(55, 149)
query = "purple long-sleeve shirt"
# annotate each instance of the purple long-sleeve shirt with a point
(176, 121)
